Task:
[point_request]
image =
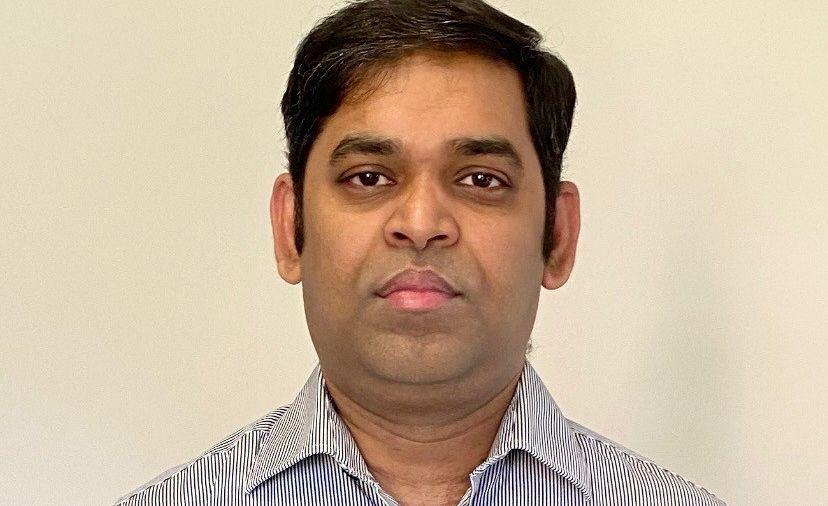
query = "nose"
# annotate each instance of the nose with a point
(422, 215)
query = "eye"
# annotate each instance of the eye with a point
(367, 179)
(482, 180)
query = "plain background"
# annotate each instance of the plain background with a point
(142, 318)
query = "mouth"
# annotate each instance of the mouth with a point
(418, 290)
(419, 300)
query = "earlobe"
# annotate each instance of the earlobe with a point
(551, 274)
(282, 212)
(567, 227)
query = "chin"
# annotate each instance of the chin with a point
(423, 364)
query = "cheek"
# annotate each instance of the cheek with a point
(508, 250)
(338, 246)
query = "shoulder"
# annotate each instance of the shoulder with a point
(614, 467)
(192, 482)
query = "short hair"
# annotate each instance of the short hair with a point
(348, 48)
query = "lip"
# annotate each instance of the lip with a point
(418, 280)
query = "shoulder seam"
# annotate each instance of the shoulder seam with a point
(605, 441)
(584, 431)
(215, 450)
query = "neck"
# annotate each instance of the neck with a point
(420, 457)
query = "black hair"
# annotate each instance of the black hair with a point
(351, 46)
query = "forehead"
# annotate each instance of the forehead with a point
(428, 98)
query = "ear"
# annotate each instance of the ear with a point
(564, 236)
(282, 214)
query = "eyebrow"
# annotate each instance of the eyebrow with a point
(364, 144)
(368, 144)
(490, 145)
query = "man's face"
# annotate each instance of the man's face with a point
(426, 202)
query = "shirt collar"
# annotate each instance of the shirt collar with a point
(534, 423)
(310, 426)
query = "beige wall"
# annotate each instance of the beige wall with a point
(141, 318)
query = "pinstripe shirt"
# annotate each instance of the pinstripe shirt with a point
(303, 454)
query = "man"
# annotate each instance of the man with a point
(422, 212)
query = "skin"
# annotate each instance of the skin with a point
(423, 393)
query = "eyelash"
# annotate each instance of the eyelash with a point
(503, 183)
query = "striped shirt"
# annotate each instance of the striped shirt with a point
(304, 454)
